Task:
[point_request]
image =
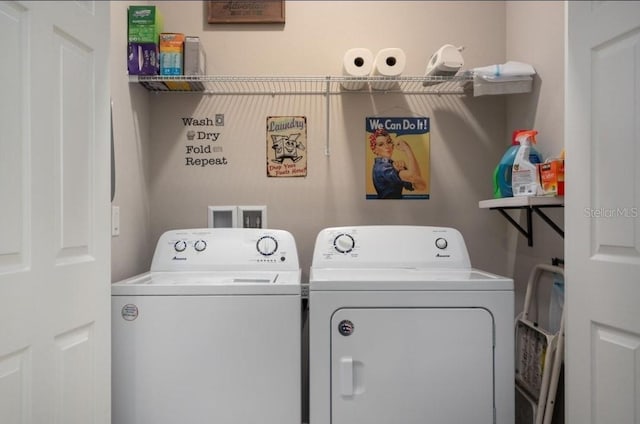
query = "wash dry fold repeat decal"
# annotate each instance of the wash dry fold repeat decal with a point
(203, 148)
(397, 158)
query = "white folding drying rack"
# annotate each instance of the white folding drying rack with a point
(539, 355)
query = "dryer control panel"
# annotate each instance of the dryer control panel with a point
(390, 247)
(219, 249)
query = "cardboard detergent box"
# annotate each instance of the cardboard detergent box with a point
(552, 177)
(144, 24)
(171, 53)
(142, 59)
(195, 60)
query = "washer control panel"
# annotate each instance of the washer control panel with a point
(390, 246)
(267, 245)
(200, 245)
(442, 243)
(344, 243)
(211, 249)
(181, 245)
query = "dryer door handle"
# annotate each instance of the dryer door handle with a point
(346, 376)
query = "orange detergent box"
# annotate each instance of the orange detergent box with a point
(552, 177)
(171, 52)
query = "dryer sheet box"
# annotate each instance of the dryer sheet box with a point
(552, 177)
(171, 53)
(195, 60)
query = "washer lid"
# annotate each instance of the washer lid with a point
(209, 283)
(386, 279)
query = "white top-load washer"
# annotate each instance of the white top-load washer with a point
(212, 333)
(403, 330)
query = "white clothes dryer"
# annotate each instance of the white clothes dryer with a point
(211, 334)
(403, 330)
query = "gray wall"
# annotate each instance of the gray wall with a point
(157, 192)
(132, 250)
(535, 34)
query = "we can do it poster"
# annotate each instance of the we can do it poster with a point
(397, 157)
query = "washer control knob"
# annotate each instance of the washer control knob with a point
(200, 245)
(441, 243)
(344, 243)
(267, 245)
(180, 246)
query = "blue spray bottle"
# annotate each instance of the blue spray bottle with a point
(502, 173)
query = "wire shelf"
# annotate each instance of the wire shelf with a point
(304, 85)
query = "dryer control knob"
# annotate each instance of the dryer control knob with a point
(180, 246)
(344, 243)
(267, 245)
(441, 243)
(200, 245)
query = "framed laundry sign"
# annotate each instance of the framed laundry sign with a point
(245, 11)
(397, 157)
(287, 146)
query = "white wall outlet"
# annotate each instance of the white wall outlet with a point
(115, 221)
(304, 290)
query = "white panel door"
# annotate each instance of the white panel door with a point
(603, 206)
(412, 366)
(54, 218)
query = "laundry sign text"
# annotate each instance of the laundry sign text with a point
(203, 135)
(286, 146)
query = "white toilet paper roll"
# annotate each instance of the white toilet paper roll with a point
(357, 62)
(388, 63)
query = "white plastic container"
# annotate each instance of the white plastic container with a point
(446, 62)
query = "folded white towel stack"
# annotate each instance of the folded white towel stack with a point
(505, 70)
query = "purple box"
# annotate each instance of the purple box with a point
(142, 59)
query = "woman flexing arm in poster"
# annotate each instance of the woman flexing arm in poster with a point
(391, 177)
